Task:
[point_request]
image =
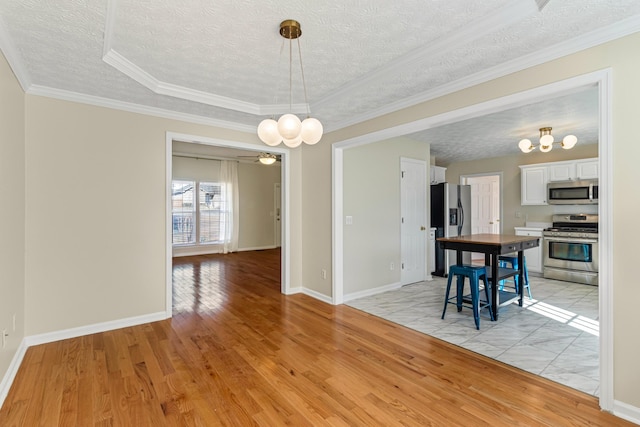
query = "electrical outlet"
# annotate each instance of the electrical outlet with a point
(392, 266)
(323, 273)
(518, 214)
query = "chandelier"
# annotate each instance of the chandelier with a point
(289, 129)
(546, 142)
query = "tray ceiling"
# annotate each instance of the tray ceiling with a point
(224, 63)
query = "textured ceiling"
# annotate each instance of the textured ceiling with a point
(224, 63)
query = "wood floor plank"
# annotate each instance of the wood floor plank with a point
(239, 353)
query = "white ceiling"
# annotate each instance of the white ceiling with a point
(224, 63)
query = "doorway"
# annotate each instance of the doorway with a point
(277, 210)
(602, 79)
(486, 205)
(285, 259)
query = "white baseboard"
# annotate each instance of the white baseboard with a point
(626, 412)
(180, 251)
(317, 295)
(368, 292)
(10, 375)
(93, 329)
(257, 248)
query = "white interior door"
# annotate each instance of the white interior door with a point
(277, 203)
(413, 225)
(485, 205)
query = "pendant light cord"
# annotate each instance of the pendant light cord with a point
(304, 84)
(290, 76)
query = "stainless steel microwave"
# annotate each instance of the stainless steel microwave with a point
(582, 192)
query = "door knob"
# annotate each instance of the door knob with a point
(423, 228)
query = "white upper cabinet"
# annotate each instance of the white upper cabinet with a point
(576, 169)
(437, 174)
(533, 185)
(587, 169)
(562, 172)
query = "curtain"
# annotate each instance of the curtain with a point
(229, 189)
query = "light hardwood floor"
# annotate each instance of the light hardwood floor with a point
(238, 353)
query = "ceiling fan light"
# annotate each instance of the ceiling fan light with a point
(311, 130)
(526, 146)
(268, 132)
(569, 141)
(267, 160)
(289, 126)
(293, 142)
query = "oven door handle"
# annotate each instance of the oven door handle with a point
(570, 239)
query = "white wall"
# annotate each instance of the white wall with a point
(372, 199)
(12, 222)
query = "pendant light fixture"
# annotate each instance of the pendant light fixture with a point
(547, 141)
(289, 129)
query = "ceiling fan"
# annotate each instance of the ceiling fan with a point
(265, 158)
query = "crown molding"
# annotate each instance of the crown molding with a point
(130, 69)
(8, 48)
(159, 87)
(136, 108)
(592, 39)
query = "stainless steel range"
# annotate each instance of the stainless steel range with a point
(571, 249)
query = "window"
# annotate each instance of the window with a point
(204, 225)
(183, 209)
(212, 210)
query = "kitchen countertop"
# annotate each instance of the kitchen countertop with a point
(535, 226)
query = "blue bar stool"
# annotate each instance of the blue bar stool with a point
(474, 273)
(513, 260)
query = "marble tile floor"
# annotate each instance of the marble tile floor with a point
(554, 335)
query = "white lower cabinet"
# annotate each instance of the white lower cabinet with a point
(533, 255)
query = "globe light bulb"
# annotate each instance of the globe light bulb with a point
(289, 126)
(268, 132)
(525, 145)
(294, 142)
(311, 130)
(569, 141)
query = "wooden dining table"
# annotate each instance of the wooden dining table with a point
(492, 246)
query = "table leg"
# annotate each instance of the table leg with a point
(494, 285)
(459, 257)
(520, 277)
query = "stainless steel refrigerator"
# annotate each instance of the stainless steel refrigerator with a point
(451, 216)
